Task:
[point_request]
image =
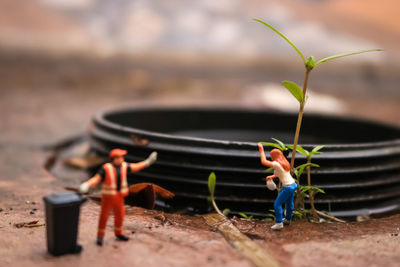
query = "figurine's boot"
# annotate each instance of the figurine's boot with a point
(277, 226)
(99, 241)
(122, 237)
(286, 222)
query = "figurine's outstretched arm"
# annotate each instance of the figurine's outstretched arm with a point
(135, 167)
(91, 182)
(270, 177)
(264, 160)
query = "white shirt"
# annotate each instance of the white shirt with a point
(284, 176)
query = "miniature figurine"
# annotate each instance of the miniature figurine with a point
(114, 190)
(281, 168)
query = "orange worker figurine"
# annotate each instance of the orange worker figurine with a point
(114, 190)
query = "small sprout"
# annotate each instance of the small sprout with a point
(211, 184)
(271, 216)
(226, 212)
(301, 213)
(212, 179)
(245, 216)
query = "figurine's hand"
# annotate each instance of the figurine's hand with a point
(84, 188)
(260, 148)
(151, 159)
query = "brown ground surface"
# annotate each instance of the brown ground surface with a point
(44, 103)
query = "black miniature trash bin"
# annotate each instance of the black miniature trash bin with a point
(62, 215)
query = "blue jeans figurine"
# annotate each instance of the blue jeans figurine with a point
(285, 197)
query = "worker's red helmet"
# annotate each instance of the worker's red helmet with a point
(117, 153)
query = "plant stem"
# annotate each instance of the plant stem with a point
(299, 120)
(329, 217)
(216, 208)
(311, 193)
(316, 212)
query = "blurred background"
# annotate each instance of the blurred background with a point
(63, 60)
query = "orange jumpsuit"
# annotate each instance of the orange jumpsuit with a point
(111, 198)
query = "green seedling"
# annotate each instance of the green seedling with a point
(212, 179)
(329, 208)
(308, 191)
(272, 213)
(271, 216)
(245, 216)
(301, 93)
(226, 212)
(301, 213)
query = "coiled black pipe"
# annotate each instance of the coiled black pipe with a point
(360, 166)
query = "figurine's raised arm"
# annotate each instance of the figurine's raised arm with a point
(264, 160)
(84, 187)
(135, 167)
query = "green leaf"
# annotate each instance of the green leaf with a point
(226, 212)
(272, 144)
(245, 216)
(303, 166)
(294, 89)
(318, 190)
(346, 54)
(305, 195)
(284, 37)
(211, 183)
(242, 214)
(301, 150)
(269, 170)
(314, 189)
(316, 150)
(280, 143)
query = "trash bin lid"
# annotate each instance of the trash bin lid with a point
(64, 199)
